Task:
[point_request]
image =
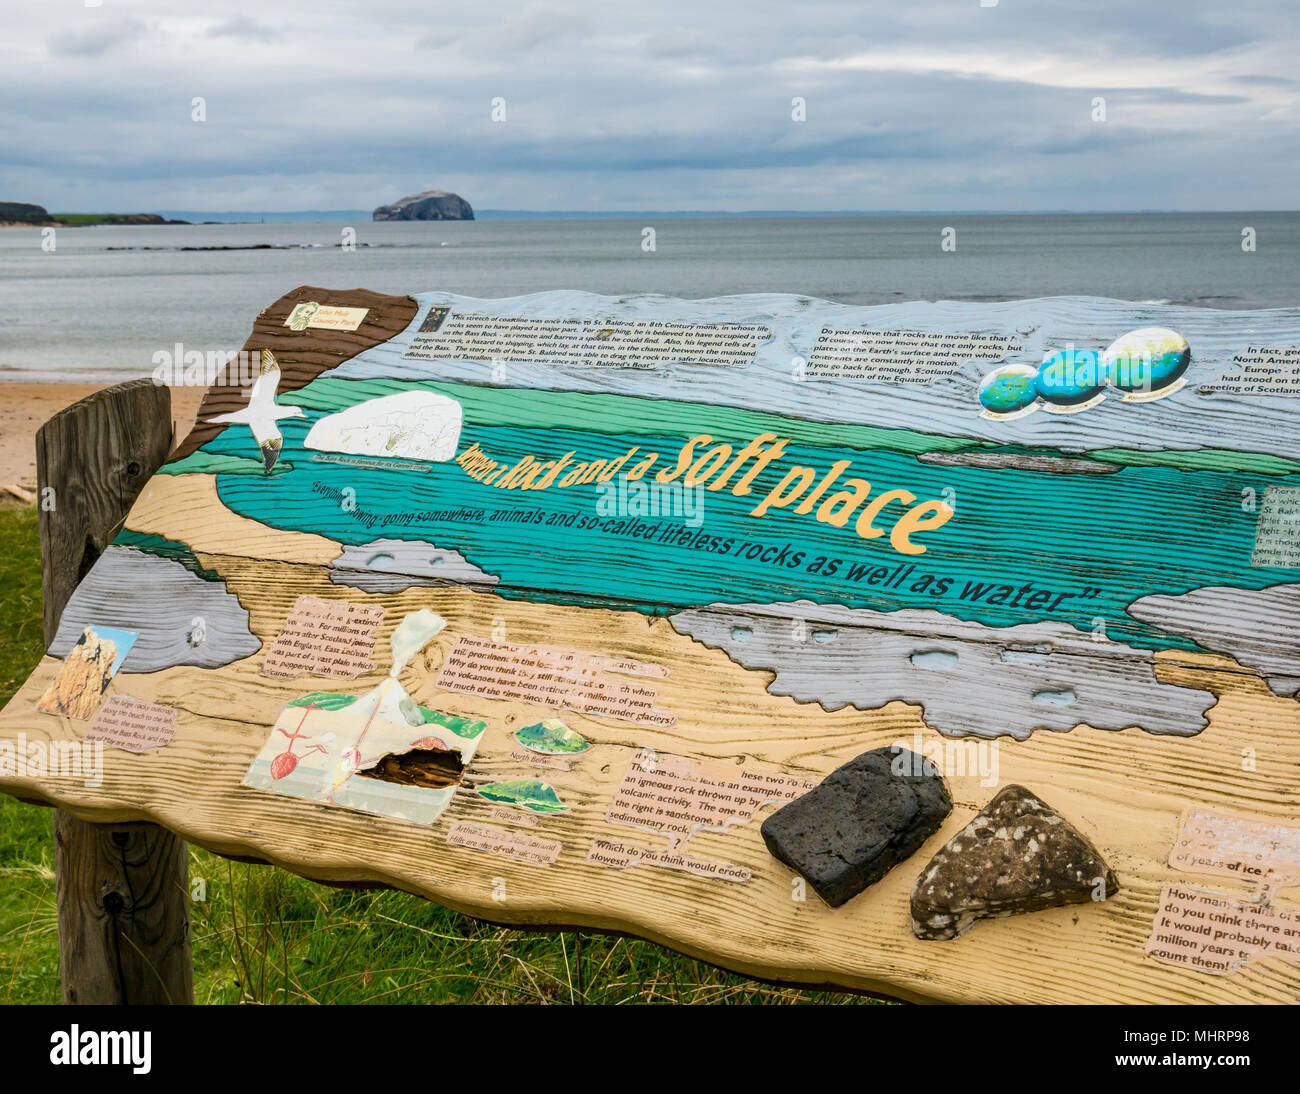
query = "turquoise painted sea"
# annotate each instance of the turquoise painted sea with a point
(1104, 540)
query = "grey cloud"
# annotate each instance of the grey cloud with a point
(247, 28)
(686, 101)
(539, 25)
(677, 42)
(1260, 80)
(97, 39)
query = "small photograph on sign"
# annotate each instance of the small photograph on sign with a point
(86, 672)
(433, 320)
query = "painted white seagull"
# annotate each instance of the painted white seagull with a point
(263, 412)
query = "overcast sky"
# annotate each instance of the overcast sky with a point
(914, 104)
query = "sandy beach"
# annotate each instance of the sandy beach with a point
(24, 408)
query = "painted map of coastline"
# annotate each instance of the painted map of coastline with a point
(971, 508)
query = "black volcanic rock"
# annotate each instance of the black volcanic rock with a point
(1017, 855)
(862, 820)
(431, 205)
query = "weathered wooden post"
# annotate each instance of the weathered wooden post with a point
(124, 920)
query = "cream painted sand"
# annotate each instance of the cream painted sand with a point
(167, 506)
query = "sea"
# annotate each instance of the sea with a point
(102, 301)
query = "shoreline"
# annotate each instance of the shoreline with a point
(27, 405)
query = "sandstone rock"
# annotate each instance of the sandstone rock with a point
(1017, 855)
(430, 205)
(86, 671)
(862, 820)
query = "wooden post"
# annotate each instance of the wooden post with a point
(123, 898)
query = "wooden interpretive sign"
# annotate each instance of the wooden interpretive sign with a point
(564, 609)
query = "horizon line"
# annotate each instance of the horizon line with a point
(492, 213)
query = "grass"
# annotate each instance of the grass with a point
(76, 220)
(265, 936)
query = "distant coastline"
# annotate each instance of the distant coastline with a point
(197, 216)
(18, 214)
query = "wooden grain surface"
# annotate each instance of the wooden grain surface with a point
(123, 902)
(1124, 791)
(94, 456)
(124, 914)
(1124, 788)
